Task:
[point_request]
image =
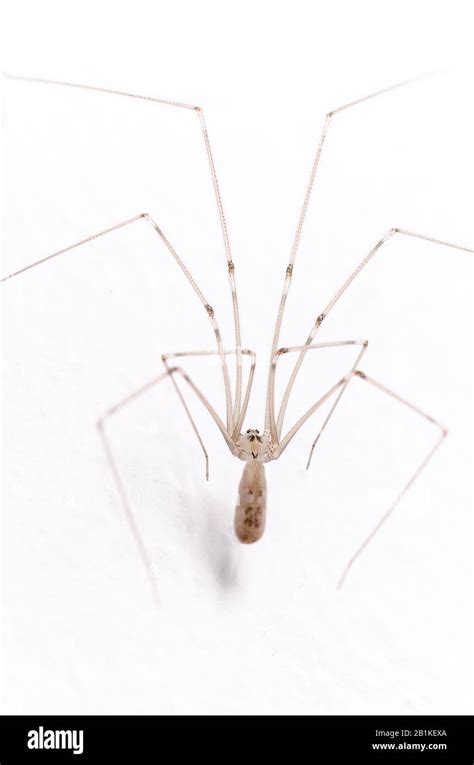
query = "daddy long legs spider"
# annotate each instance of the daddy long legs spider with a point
(252, 446)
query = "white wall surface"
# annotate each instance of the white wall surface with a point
(257, 629)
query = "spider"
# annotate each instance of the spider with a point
(253, 447)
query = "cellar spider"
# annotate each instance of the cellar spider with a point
(253, 447)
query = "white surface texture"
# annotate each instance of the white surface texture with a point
(240, 629)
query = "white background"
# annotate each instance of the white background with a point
(258, 629)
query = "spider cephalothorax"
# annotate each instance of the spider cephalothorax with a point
(253, 445)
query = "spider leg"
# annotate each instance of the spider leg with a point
(361, 375)
(338, 295)
(243, 409)
(217, 195)
(101, 423)
(338, 398)
(341, 385)
(269, 412)
(209, 310)
(299, 424)
(316, 346)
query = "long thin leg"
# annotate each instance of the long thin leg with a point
(411, 480)
(316, 346)
(338, 295)
(243, 411)
(217, 194)
(342, 384)
(338, 398)
(299, 424)
(170, 372)
(185, 270)
(270, 415)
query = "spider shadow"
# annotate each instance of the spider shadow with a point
(219, 546)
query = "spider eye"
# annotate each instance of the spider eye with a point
(257, 431)
(248, 431)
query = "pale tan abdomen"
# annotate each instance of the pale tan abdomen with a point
(249, 522)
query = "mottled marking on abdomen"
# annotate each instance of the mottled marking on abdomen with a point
(249, 522)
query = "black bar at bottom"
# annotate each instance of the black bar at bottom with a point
(408, 739)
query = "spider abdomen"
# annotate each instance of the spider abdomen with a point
(249, 521)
